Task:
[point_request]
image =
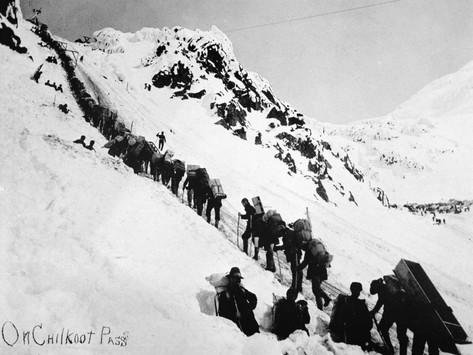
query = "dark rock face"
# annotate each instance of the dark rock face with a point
(162, 79)
(232, 114)
(322, 192)
(179, 77)
(351, 168)
(213, 60)
(277, 114)
(306, 147)
(160, 50)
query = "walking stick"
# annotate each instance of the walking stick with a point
(238, 230)
(380, 333)
(251, 236)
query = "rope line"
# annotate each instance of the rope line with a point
(296, 19)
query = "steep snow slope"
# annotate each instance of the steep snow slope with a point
(423, 151)
(88, 244)
(89, 248)
(367, 241)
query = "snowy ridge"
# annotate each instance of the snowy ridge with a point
(203, 63)
(419, 152)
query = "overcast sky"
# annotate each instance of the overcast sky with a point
(337, 68)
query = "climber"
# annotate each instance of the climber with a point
(317, 259)
(90, 146)
(162, 140)
(350, 320)
(215, 203)
(249, 215)
(290, 315)
(293, 254)
(394, 300)
(81, 141)
(237, 303)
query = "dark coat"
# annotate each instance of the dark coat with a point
(350, 321)
(315, 270)
(239, 301)
(291, 245)
(214, 202)
(249, 216)
(357, 321)
(290, 316)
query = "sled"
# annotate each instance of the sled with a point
(258, 205)
(420, 288)
(217, 189)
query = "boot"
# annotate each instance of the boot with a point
(245, 246)
(256, 253)
(216, 223)
(270, 261)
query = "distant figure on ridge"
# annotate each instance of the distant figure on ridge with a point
(162, 140)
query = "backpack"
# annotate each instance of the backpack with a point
(303, 231)
(216, 188)
(192, 170)
(275, 224)
(168, 156)
(258, 205)
(179, 166)
(268, 215)
(202, 177)
(319, 253)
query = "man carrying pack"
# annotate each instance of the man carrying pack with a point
(317, 271)
(178, 173)
(237, 303)
(394, 300)
(213, 203)
(293, 256)
(189, 185)
(355, 318)
(201, 189)
(290, 315)
(249, 216)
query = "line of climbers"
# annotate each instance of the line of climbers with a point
(350, 321)
(350, 317)
(138, 153)
(265, 229)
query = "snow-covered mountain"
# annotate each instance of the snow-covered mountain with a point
(416, 154)
(87, 244)
(423, 151)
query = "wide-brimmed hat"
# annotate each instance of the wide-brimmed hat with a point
(235, 272)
